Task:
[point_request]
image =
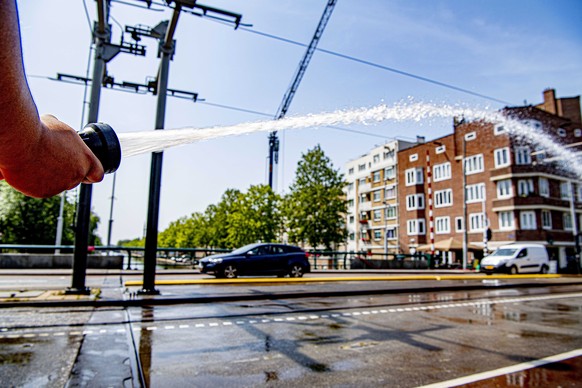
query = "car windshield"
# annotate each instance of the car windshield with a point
(504, 252)
(245, 249)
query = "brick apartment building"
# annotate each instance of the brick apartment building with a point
(513, 188)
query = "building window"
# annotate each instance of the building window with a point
(441, 149)
(390, 192)
(544, 187)
(502, 157)
(362, 181)
(391, 234)
(362, 167)
(533, 123)
(352, 219)
(470, 136)
(389, 155)
(565, 190)
(415, 227)
(413, 158)
(414, 176)
(577, 132)
(476, 222)
(525, 187)
(443, 225)
(442, 172)
(376, 158)
(377, 195)
(350, 186)
(567, 221)
(476, 193)
(522, 155)
(459, 224)
(352, 236)
(377, 234)
(506, 220)
(351, 171)
(391, 212)
(377, 214)
(376, 176)
(498, 129)
(363, 198)
(389, 173)
(350, 203)
(504, 189)
(474, 164)
(562, 132)
(546, 219)
(415, 201)
(443, 198)
(527, 220)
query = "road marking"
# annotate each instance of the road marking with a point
(506, 370)
(7, 333)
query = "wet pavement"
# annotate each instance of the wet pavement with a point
(342, 334)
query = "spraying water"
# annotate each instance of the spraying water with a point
(136, 143)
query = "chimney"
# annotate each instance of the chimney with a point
(550, 103)
(420, 139)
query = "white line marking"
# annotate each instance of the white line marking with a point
(506, 370)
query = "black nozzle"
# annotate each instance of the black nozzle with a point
(103, 141)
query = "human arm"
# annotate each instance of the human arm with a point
(39, 156)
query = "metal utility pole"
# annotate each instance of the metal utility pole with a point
(102, 36)
(273, 140)
(167, 49)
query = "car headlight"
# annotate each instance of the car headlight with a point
(216, 261)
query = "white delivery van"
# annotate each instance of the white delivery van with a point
(517, 258)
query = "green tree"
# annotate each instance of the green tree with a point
(186, 232)
(315, 207)
(255, 217)
(26, 220)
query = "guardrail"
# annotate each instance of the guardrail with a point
(319, 259)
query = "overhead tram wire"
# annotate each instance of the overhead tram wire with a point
(378, 66)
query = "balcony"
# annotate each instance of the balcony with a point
(365, 206)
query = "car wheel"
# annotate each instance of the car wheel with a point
(296, 271)
(544, 270)
(513, 270)
(230, 272)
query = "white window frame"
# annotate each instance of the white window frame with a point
(377, 196)
(527, 220)
(504, 189)
(376, 176)
(565, 190)
(377, 214)
(391, 233)
(389, 173)
(502, 157)
(441, 149)
(414, 176)
(506, 220)
(441, 171)
(544, 187)
(388, 190)
(377, 234)
(562, 132)
(376, 158)
(443, 225)
(459, 224)
(390, 209)
(443, 198)
(474, 164)
(546, 219)
(525, 187)
(567, 221)
(416, 227)
(499, 129)
(522, 155)
(577, 132)
(475, 193)
(415, 201)
(476, 222)
(413, 158)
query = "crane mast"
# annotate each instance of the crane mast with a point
(288, 97)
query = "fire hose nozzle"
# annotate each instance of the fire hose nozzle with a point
(103, 142)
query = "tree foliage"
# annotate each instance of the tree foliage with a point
(25, 220)
(315, 208)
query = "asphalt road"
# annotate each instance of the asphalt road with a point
(328, 334)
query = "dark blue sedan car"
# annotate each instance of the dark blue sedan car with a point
(258, 259)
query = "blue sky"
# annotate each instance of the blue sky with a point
(510, 50)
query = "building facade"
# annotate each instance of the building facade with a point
(508, 191)
(371, 193)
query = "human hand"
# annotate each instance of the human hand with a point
(55, 161)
